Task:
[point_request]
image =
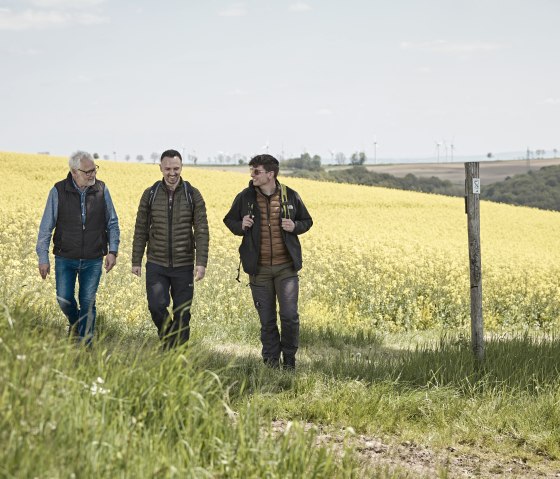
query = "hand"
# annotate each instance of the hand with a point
(247, 222)
(200, 272)
(137, 270)
(44, 270)
(288, 225)
(110, 261)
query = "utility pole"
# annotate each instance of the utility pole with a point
(472, 207)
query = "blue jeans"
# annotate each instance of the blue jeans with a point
(88, 272)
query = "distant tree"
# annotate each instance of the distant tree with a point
(340, 158)
(127, 157)
(140, 158)
(105, 157)
(304, 162)
(96, 156)
(238, 158)
(489, 155)
(154, 157)
(555, 151)
(358, 158)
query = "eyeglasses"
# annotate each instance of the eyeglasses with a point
(90, 172)
(256, 172)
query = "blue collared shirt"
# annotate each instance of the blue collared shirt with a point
(48, 222)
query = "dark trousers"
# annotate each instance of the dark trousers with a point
(160, 282)
(280, 283)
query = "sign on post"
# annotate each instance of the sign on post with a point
(472, 206)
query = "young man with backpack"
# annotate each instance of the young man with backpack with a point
(270, 216)
(171, 221)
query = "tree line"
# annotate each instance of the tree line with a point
(537, 188)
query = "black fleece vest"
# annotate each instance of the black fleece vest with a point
(72, 239)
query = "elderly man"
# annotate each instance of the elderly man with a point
(86, 228)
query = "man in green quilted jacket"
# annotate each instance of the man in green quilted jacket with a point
(171, 221)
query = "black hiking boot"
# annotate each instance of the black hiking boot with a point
(289, 363)
(273, 363)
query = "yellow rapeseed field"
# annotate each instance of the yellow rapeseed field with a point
(375, 260)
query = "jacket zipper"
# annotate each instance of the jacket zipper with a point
(83, 220)
(170, 225)
(269, 225)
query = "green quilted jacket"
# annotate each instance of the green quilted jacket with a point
(173, 236)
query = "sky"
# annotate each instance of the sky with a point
(396, 79)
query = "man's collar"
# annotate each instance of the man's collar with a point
(81, 190)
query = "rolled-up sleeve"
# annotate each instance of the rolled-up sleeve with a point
(48, 222)
(113, 230)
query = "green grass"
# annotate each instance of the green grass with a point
(127, 409)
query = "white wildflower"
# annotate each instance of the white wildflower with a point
(95, 389)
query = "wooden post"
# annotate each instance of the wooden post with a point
(472, 206)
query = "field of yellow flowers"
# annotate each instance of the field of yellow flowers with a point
(375, 260)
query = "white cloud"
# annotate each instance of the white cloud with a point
(235, 10)
(448, 47)
(63, 4)
(552, 101)
(299, 7)
(26, 52)
(40, 19)
(237, 92)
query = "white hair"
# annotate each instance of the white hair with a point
(76, 159)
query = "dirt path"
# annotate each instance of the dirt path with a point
(415, 461)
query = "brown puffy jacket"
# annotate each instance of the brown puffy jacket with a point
(273, 249)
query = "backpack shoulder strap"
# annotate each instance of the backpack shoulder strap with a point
(284, 199)
(153, 191)
(189, 194)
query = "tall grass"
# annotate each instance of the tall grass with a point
(129, 410)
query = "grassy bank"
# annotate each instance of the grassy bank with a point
(126, 409)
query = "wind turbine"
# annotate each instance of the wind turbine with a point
(265, 146)
(438, 145)
(332, 155)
